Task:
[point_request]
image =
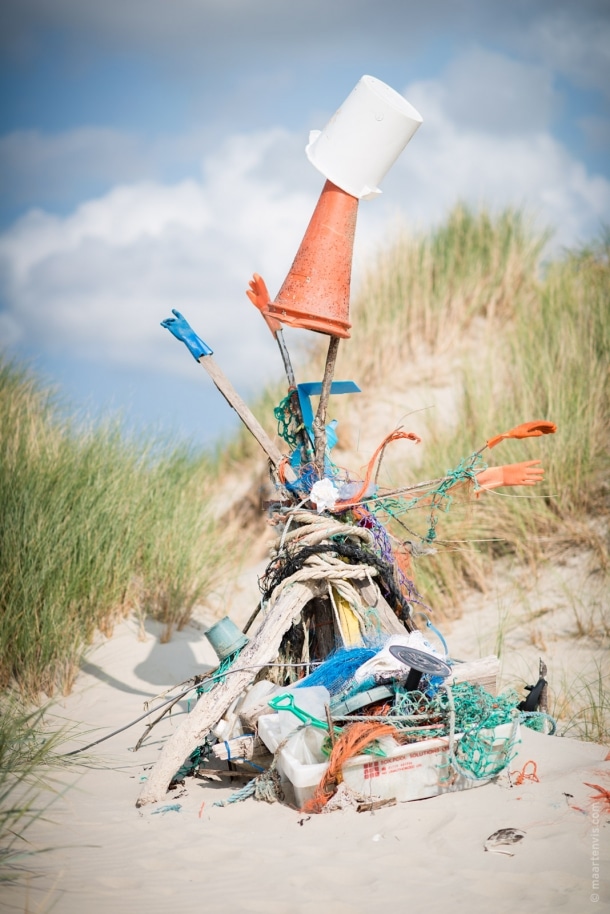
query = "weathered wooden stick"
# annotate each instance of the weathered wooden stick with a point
(245, 414)
(331, 726)
(319, 423)
(279, 336)
(154, 722)
(213, 704)
(301, 436)
(484, 671)
(372, 805)
(214, 774)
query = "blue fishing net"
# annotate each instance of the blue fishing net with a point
(337, 671)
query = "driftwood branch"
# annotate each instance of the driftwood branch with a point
(154, 722)
(245, 414)
(213, 704)
(319, 423)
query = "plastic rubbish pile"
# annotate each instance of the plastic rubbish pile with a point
(392, 722)
(340, 691)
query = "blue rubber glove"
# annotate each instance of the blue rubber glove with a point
(183, 331)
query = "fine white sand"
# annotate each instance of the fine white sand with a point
(186, 854)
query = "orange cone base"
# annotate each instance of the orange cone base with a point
(307, 321)
(315, 294)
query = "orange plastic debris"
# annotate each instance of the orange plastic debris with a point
(525, 775)
(526, 473)
(259, 296)
(525, 430)
(602, 794)
(393, 436)
(281, 469)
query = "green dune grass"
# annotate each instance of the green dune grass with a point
(533, 342)
(27, 786)
(93, 526)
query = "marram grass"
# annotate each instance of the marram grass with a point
(92, 527)
(424, 293)
(522, 342)
(27, 789)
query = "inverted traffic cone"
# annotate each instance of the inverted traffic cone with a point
(315, 294)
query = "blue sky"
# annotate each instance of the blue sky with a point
(152, 157)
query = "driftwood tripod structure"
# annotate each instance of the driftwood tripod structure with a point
(378, 122)
(311, 598)
(341, 591)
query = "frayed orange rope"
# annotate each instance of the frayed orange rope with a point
(354, 739)
(525, 775)
(393, 436)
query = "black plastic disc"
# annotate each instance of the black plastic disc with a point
(420, 660)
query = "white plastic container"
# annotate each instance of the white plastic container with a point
(421, 769)
(363, 139)
(412, 772)
(300, 761)
(310, 699)
(304, 778)
(269, 730)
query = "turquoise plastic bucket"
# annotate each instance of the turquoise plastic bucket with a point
(226, 638)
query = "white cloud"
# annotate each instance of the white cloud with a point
(120, 218)
(451, 159)
(498, 94)
(574, 42)
(97, 281)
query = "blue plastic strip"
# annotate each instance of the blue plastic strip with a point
(314, 389)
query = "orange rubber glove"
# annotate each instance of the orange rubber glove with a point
(259, 296)
(527, 473)
(525, 430)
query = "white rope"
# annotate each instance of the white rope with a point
(314, 528)
(324, 568)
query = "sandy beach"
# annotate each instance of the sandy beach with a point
(186, 853)
(396, 433)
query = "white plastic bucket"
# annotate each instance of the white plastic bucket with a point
(363, 139)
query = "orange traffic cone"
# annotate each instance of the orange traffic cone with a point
(354, 152)
(315, 294)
